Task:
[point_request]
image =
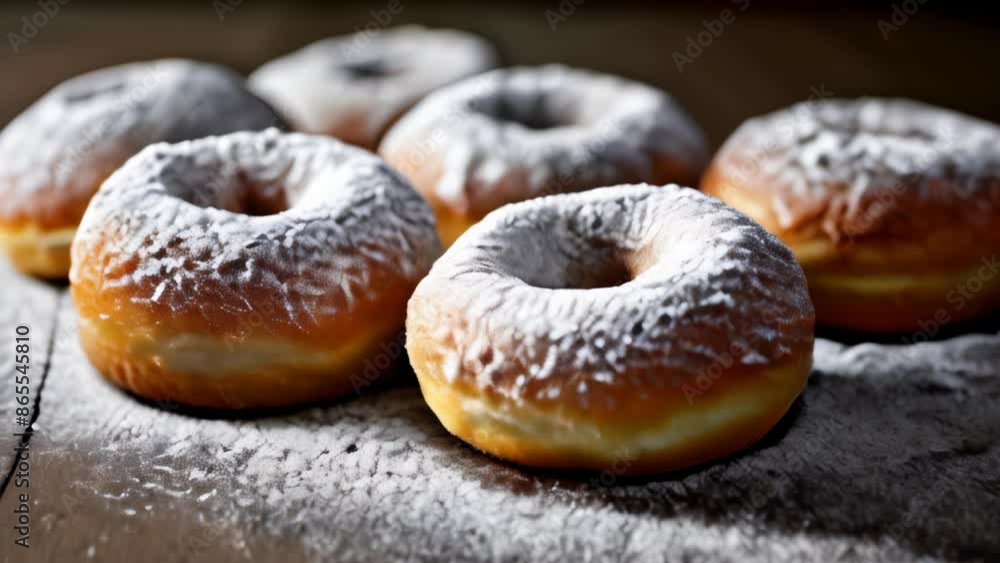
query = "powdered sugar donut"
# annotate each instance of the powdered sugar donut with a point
(520, 133)
(249, 270)
(354, 86)
(55, 155)
(646, 327)
(891, 206)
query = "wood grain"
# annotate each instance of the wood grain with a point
(32, 303)
(892, 454)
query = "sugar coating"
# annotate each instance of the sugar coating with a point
(553, 128)
(380, 475)
(68, 141)
(850, 162)
(336, 80)
(180, 239)
(716, 288)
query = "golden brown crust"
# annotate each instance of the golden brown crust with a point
(244, 291)
(39, 253)
(135, 364)
(451, 222)
(901, 310)
(883, 283)
(56, 154)
(52, 207)
(886, 239)
(574, 330)
(691, 425)
(126, 303)
(328, 359)
(522, 133)
(355, 129)
(36, 231)
(865, 167)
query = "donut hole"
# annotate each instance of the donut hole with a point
(249, 197)
(222, 188)
(607, 268)
(581, 264)
(599, 269)
(367, 69)
(530, 114)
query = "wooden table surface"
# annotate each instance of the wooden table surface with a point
(891, 454)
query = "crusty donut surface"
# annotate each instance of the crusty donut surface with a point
(54, 156)
(248, 270)
(644, 328)
(891, 206)
(354, 86)
(514, 134)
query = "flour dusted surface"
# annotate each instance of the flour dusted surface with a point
(890, 460)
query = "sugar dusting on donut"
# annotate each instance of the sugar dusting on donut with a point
(837, 158)
(721, 291)
(372, 76)
(67, 142)
(554, 128)
(188, 243)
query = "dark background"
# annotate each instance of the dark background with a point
(773, 54)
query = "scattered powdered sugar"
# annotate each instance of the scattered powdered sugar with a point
(58, 151)
(850, 162)
(377, 477)
(528, 288)
(171, 227)
(518, 133)
(336, 82)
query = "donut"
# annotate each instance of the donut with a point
(636, 328)
(515, 134)
(891, 206)
(54, 156)
(354, 86)
(249, 270)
